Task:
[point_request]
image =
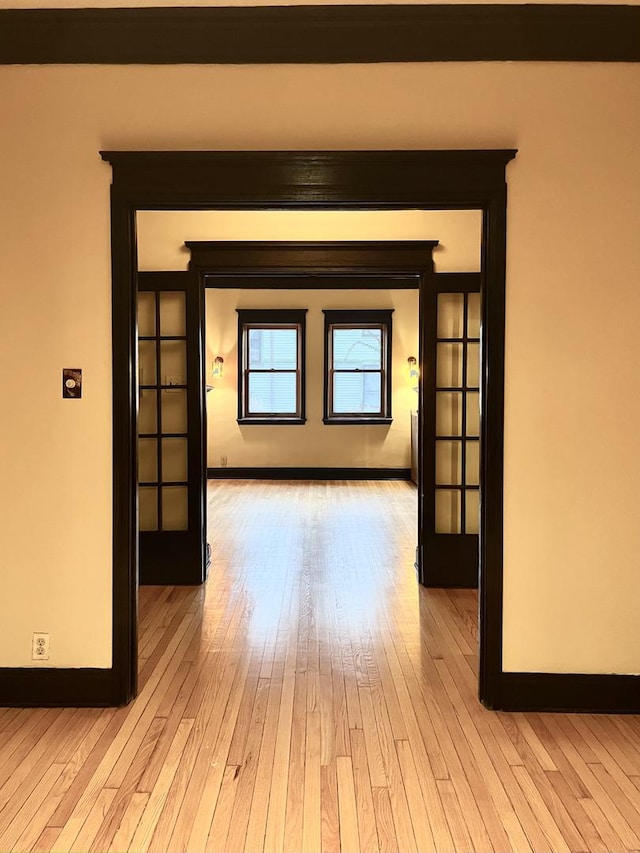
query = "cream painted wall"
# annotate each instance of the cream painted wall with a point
(312, 444)
(161, 233)
(571, 544)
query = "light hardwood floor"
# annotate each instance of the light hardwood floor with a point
(312, 698)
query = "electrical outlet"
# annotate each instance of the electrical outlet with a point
(40, 647)
(223, 461)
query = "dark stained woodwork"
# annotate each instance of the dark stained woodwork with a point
(308, 473)
(304, 180)
(322, 34)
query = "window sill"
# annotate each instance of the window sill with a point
(363, 421)
(271, 421)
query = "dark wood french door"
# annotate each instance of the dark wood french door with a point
(449, 411)
(171, 429)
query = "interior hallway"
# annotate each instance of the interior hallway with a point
(312, 698)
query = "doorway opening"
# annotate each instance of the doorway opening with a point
(306, 180)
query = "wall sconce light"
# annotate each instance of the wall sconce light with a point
(218, 366)
(216, 370)
(412, 367)
(413, 371)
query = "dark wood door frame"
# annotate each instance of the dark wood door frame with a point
(305, 180)
(179, 557)
(370, 265)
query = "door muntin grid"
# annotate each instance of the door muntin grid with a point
(457, 419)
(162, 412)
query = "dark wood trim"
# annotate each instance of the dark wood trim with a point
(272, 315)
(48, 687)
(454, 282)
(323, 258)
(174, 557)
(169, 556)
(313, 281)
(358, 316)
(274, 421)
(124, 266)
(450, 560)
(306, 180)
(379, 316)
(309, 473)
(322, 34)
(568, 692)
(492, 310)
(294, 316)
(351, 421)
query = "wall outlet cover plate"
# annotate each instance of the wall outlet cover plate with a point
(71, 383)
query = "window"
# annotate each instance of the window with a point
(271, 349)
(357, 367)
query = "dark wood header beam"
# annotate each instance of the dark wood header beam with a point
(312, 179)
(321, 34)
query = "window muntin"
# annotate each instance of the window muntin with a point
(271, 369)
(358, 366)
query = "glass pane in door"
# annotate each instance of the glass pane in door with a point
(449, 365)
(148, 508)
(148, 411)
(450, 315)
(448, 511)
(173, 317)
(174, 410)
(448, 413)
(175, 508)
(173, 362)
(146, 314)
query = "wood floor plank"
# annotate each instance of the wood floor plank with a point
(348, 812)
(372, 739)
(128, 728)
(311, 817)
(310, 696)
(129, 822)
(201, 823)
(598, 794)
(292, 842)
(258, 812)
(609, 771)
(178, 712)
(420, 735)
(145, 829)
(384, 821)
(219, 829)
(419, 816)
(459, 832)
(19, 746)
(592, 842)
(562, 816)
(27, 825)
(127, 789)
(81, 766)
(95, 818)
(247, 770)
(604, 828)
(538, 807)
(330, 817)
(47, 839)
(202, 759)
(363, 793)
(275, 828)
(35, 757)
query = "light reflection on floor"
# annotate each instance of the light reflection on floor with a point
(332, 548)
